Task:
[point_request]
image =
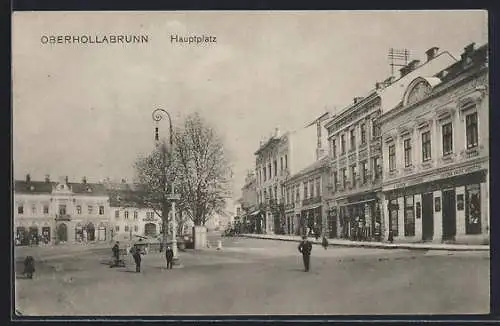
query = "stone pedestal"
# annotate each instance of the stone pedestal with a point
(200, 237)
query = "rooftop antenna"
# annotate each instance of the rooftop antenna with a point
(398, 58)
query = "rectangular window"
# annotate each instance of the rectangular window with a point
(117, 228)
(364, 171)
(126, 228)
(353, 175)
(275, 168)
(335, 179)
(311, 188)
(363, 134)
(78, 209)
(297, 193)
(46, 209)
(353, 139)
(281, 164)
(409, 217)
(20, 209)
(286, 162)
(344, 177)
(62, 209)
(136, 215)
(342, 144)
(392, 157)
(426, 146)
(270, 171)
(447, 139)
(90, 209)
(126, 215)
(318, 187)
(136, 228)
(101, 210)
(407, 149)
(265, 174)
(117, 214)
(33, 209)
(305, 190)
(376, 167)
(471, 130)
(334, 148)
(375, 129)
(473, 209)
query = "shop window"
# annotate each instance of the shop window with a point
(407, 150)
(471, 130)
(392, 157)
(409, 217)
(426, 146)
(447, 139)
(473, 209)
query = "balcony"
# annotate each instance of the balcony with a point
(63, 217)
(289, 206)
(311, 201)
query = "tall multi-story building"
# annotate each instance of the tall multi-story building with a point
(248, 201)
(355, 152)
(60, 211)
(435, 144)
(280, 157)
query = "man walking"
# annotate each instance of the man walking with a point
(116, 254)
(136, 253)
(169, 254)
(305, 248)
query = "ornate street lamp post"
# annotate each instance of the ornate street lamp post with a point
(157, 116)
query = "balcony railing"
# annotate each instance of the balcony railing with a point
(290, 206)
(311, 201)
(63, 217)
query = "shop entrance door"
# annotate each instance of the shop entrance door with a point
(449, 215)
(427, 217)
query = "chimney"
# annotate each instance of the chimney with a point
(379, 85)
(413, 64)
(357, 99)
(431, 53)
(47, 178)
(84, 180)
(66, 179)
(124, 181)
(277, 132)
(28, 178)
(468, 51)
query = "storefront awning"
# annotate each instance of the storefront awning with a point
(359, 202)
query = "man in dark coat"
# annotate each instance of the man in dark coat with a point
(305, 248)
(169, 254)
(136, 253)
(29, 266)
(116, 254)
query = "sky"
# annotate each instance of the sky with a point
(85, 110)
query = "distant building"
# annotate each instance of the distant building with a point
(60, 212)
(278, 158)
(304, 198)
(436, 155)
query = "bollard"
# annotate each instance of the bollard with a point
(219, 244)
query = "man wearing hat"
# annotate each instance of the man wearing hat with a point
(305, 248)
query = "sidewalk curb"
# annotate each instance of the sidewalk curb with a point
(379, 245)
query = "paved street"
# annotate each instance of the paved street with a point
(251, 276)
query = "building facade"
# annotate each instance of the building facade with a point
(356, 159)
(248, 203)
(60, 212)
(304, 199)
(436, 155)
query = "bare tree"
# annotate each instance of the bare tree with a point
(203, 174)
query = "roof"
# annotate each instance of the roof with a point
(33, 187)
(46, 187)
(323, 162)
(272, 140)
